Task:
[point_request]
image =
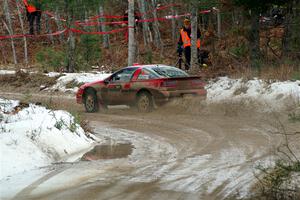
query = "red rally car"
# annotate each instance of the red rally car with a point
(142, 86)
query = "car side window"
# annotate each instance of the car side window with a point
(123, 76)
(146, 75)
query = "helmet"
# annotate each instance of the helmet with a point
(186, 21)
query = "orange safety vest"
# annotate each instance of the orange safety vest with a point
(30, 8)
(187, 40)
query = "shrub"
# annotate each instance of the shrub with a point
(281, 181)
(294, 117)
(296, 76)
(59, 124)
(88, 51)
(240, 50)
(51, 59)
(277, 182)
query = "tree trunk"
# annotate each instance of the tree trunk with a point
(286, 46)
(4, 61)
(131, 42)
(146, 29)
(59, 25)
(254, 39)
(157, 37)
(174, 25)
(48, 28)
(219, 23)
(71, 53)
(24, 32)
(71, 39)
(194, 50)
(10, 30)
(103, 28)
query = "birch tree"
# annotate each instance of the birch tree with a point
(219, 28)
(146, 29)
(286, 46)
(174, 26)
(8, 26)
(48, 28)
(157, 37)
(71, 45)
(103, 27)
(173, 20)
(59, 24)
(24, 32)
(131, 42)
(194, 24)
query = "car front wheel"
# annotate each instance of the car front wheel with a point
(91, 102)
(144, 102)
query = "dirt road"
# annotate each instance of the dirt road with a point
(186, 150)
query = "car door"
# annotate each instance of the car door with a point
(117, 89)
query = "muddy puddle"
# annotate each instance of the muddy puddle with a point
(100, 152)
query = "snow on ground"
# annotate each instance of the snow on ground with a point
(7, 72)
(65, 78)
(273, 95)
(78, 78)
(35, 137)
(7, 105)
(11, 72)
(53, 74)
(10, 186)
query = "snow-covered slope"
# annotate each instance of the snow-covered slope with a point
(274, 95)
(36, 137)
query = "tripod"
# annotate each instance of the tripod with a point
(202, 60)
(180, 61)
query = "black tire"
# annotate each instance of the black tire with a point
(144, 102)
(91, 103)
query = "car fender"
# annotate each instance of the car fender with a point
(156, 94)
(96, 90)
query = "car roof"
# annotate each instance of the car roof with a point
(148, 66)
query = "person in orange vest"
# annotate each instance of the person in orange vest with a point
(34, 13)
(184, 43)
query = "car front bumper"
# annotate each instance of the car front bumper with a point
(79, 96)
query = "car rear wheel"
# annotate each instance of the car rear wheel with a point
(144, 102)
(91, 102)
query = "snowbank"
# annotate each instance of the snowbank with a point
(78, 78)
(35, 137)
(275, 95)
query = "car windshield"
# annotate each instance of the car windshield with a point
(168, 71)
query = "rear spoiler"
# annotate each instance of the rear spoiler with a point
(172, 82)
